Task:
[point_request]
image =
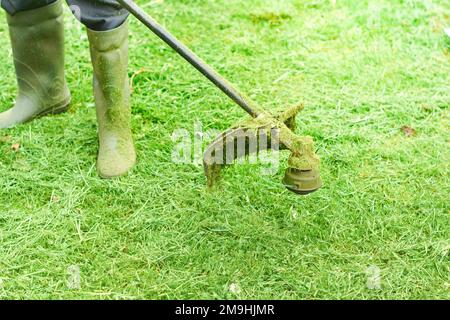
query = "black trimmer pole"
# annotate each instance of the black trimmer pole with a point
(219, 81)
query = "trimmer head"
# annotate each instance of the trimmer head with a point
(272, 131)
(302, 182)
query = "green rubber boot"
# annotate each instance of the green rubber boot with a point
(37, 39)
(109, 54)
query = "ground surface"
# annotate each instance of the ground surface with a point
(374, 76)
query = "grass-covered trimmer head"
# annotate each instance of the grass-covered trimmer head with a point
(274, 131)
(302, 175)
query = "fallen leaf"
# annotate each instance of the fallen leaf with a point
(408, 131)
(15, 147)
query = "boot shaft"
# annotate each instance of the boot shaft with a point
(109, 55)
(37, 40)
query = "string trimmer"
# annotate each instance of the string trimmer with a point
(277, 128)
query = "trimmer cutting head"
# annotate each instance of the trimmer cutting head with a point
(302, 175)
(302, 182)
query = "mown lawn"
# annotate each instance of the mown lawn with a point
(375, 79)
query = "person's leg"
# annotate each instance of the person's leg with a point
(109, 55)
(37, 40)
(108, 39)
(15, 6)
(99, 15)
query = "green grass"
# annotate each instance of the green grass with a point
(364, 69)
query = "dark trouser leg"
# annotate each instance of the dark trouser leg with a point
(99, 15)
(14, 6)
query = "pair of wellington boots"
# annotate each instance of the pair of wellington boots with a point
(37, 39)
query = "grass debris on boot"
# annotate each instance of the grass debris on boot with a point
(109, 54)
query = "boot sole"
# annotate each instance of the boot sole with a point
(54, 110)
